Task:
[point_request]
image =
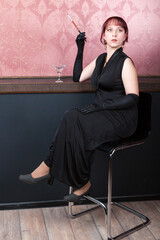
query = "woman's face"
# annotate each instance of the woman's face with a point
(114, 36)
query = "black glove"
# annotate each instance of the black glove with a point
(80, 40)
(121, 102)
(89, 108)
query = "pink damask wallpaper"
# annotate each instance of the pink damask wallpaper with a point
(34, 34)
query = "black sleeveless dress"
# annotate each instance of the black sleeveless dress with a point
(79, 135)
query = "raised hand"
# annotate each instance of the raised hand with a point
(80, 40)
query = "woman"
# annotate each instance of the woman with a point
(111, 117)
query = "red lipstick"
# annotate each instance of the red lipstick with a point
(114, 40)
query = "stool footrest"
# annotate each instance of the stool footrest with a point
(75, 215)
(100, 204)
(137, 227)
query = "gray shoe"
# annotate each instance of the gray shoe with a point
(27, 178)
(74, 197)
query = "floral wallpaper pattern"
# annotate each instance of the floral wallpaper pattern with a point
(37, 33)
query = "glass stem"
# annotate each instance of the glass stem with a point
(59, 76)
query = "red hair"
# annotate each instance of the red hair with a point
(118, 21)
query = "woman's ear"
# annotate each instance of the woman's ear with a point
(124, 39)
(103, 39)
(104, 42)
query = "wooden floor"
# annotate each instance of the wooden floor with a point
(54, 224)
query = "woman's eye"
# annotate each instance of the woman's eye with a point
(109, 30)
(120, 30)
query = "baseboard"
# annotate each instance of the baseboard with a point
(60, 203)
(37, 204)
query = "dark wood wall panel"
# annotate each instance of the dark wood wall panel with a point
(48, 85)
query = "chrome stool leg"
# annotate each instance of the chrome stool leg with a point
(109, 205)
(109, 202)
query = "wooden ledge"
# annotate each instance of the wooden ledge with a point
(48, 85)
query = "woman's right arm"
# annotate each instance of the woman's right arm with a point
(87, 71)
(80, 74)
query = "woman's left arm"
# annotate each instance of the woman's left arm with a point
(130, 81)
(129, 77)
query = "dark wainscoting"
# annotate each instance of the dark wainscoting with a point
(28, 121)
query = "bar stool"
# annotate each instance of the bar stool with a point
(142, 132)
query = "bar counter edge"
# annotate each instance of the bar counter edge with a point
(48, 85)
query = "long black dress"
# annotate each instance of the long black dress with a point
(80, 134)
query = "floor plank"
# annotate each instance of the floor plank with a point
(101, 222)
(9, 225)
(149, 209)
(129, 220)
(32, 225)
(157, 205)
(84, 227)
(57, 224)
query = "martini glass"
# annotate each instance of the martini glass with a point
(59, 68)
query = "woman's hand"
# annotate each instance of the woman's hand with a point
(80, 40)
(88, 108)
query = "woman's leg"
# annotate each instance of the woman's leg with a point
(83, 189)
(44, 168)
(68, 160)
(41, 171)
